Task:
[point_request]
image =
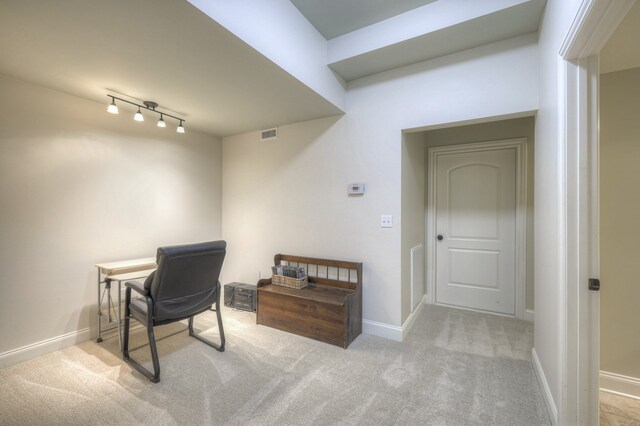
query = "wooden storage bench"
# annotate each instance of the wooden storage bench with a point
(329, 309)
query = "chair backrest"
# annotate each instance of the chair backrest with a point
(185, 282)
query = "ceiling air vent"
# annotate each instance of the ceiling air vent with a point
(268, 134)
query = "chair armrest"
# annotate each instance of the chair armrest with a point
(263, 282)
(138, 287)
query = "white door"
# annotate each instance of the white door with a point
(476, 229)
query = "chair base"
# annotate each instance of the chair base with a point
(218, 347)
(155, 376)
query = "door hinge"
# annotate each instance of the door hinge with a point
(594, 284)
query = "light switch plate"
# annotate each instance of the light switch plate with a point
(386, 221)
(355, 189)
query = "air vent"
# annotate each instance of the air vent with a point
(269, 134)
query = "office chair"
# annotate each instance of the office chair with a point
(184, 285)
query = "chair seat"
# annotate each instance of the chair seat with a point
(140, 307)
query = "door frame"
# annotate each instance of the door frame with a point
(595, 21)
(520, 146)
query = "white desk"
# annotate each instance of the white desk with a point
(118, 271)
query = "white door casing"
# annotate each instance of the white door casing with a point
(596, 20)
(477, 202)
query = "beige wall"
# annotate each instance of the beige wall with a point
(619, 225)
(505, 129)
(290, 194)
(80, 186)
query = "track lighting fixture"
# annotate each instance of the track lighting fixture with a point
(148, 105)
(112, 108)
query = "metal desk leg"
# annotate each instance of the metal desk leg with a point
(120, 317)
(99, 339)
(108, 288)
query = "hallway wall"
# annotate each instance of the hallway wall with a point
(619, 225)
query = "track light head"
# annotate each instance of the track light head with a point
(138, 116)
(180, 128)
(161, 122)
(112, 108)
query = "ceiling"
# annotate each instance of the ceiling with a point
(165, 51)
(334, 18)
(172, 53)
(622, 51)
(478, 29)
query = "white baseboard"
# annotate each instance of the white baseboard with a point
(619, 384)
(34, 350)
(544, 387)
(381, 329)
(529, 315)
(392, 332)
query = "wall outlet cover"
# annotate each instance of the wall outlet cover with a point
(386, 221)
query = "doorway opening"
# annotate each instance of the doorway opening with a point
(489, 276)
(619, 230)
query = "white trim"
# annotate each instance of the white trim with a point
(529, 315)
(594, 23)
(392, 332)
(43, 347)
(578, 85)
(520, 146)
(406, 327)
(380, 329)
(619, 384)
(544, 387)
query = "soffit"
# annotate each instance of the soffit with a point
(374, 36)
(168, 52)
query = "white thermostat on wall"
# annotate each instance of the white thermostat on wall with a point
(355, 189)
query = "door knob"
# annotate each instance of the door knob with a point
(440, 237)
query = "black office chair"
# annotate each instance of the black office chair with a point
(184, 285)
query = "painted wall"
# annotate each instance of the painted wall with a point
(413, 201)
(290, 195)
(550, 279)
(619, 227)
(497, 130)
(80, 186)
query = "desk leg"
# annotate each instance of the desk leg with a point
(108, 288)
(99, 339)
(120, 316)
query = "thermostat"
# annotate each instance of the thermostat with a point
(355, 189)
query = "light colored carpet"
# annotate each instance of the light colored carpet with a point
(454, 368)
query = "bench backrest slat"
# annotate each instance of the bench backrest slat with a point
(351, 282)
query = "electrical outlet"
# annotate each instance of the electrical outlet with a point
(386, 221)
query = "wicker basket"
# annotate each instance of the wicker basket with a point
(290, 282)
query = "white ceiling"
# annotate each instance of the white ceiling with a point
(165, 51)
(333, 18)
(622, 51)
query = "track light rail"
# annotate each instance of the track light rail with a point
(152, 107)
(149, 106)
